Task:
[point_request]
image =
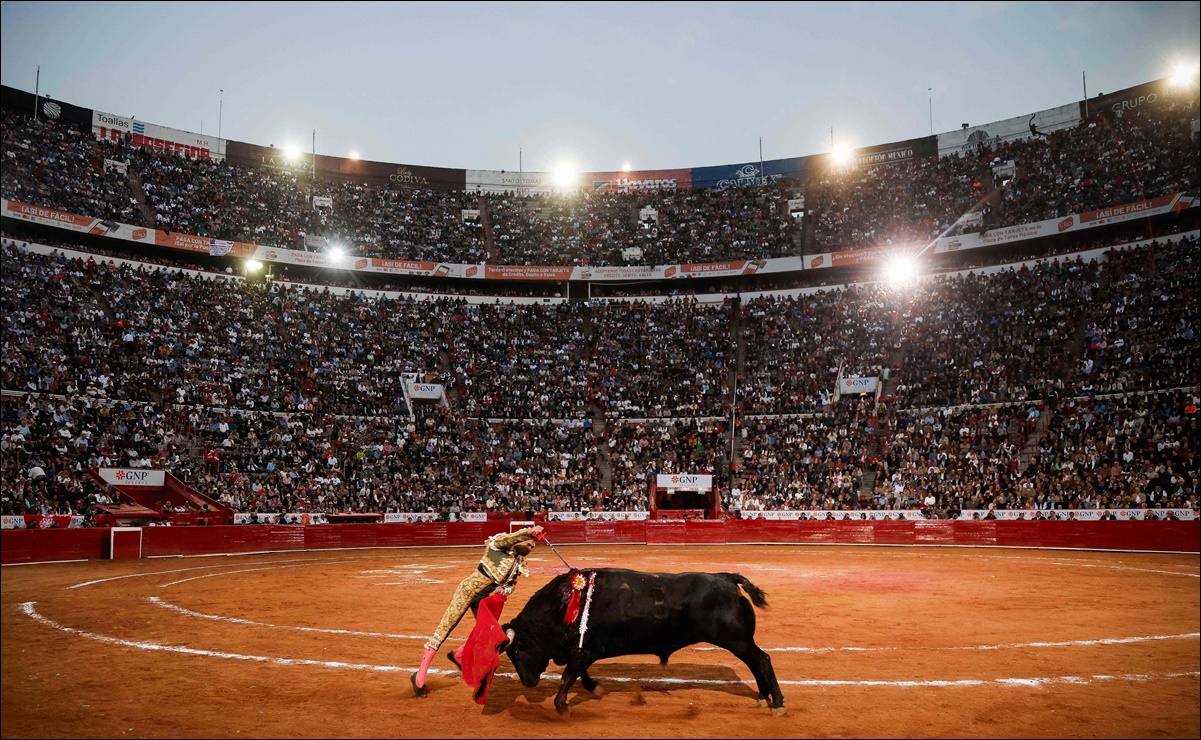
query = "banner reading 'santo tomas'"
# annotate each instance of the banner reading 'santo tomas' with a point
(509, 181)
(630, 182)
(749, 173)
(153, 136)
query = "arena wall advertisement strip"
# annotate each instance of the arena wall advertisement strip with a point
(1052, 226)
(749, 173)
(153, 136)
(1080, 515)
(1011, 129)
(22, 102)
(509, 181)
(632, 182)
(36, 544)
(72, 222)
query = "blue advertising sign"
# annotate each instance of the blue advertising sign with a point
(749, 173)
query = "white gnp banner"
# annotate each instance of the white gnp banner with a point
(1080, 515)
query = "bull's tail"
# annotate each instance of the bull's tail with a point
(756, 594)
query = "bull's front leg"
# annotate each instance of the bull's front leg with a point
(575, 668)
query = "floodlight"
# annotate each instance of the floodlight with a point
(843, 154)
(253, 265)
(901, 270)
(565, 176)
(1184, 74)
(336, 252)
(354, 155)
(625, 167)
(292, 152)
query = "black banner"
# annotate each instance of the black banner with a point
(1140, 96)
(22, 102)
(380, 173)
(898, 151)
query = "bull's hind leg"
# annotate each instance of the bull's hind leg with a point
(591, 685)
(760, 664)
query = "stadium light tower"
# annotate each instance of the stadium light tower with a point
(1184, 74)
(842, 153)
(566, 176)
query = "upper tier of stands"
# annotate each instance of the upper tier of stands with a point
(1109, 160)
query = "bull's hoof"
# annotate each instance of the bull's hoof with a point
(418, 690)
(564, 711)
(762, 704)
(778, 711)
(599, 691)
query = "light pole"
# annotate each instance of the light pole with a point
(220, 112)
(930, 91)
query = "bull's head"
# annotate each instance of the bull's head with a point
(526, 657)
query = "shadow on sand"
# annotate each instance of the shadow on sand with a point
(635, 679)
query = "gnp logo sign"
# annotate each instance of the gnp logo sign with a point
(857, 385)
(133, 476)
(684, 480)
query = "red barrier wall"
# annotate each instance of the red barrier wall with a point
(40, 545)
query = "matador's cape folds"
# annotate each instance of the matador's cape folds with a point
(481, 653)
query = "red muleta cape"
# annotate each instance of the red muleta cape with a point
(481, 653)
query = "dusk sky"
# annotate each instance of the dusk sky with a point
(655, 85)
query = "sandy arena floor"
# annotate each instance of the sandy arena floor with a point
(866, 642)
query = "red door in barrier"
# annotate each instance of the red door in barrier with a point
(125, 543)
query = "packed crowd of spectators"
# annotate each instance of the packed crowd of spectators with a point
(664, 226)
(299, 392)
(54, 164)
(1146, 152)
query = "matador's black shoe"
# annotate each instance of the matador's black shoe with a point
(451, 656)
(418, 690)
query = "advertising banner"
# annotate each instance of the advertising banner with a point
(473, 516)
(152, 136)
(112, 164)
(526, 272)
(425, 391)
(619, 516)
(509, 181)
(408, 517)
(217, 247)
(632, 182)
(1052, 226)
(12, 522)
(900, 151)
(684, 481)
(749, 173)
(343, 168)
(809, 514)
(856, 386)
(1146, 95)
(19, 101)
(1012, 129)
(1083, 515)
(133, 476)
(566, 516)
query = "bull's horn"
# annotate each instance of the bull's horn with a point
(511, 634)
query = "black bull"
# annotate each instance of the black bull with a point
(635, 613)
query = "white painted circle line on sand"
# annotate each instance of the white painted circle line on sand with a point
(1011, 646)
(177, 570)
(28, 609)
(1017, 645)
(236, 620)
(252, 570)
